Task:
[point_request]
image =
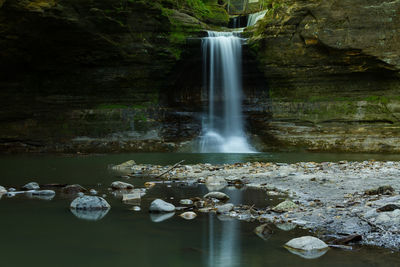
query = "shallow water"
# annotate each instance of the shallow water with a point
(39, 232)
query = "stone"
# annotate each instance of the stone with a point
(189, 215)
(12, 189)
(388, 207)
(73, 189)
(132, 198)
(225, 208)
(90, 215)
(264, 231)
(159, 217)
(382, 218)
(186, 202)
(123, 166)
(31, 186)
(3, 190)
(285, 206)
(308, 247)
(348, 239)
(382, 190)
(160, 205)
(93, 192)
(90, 203)
(121, 185)
(149, 184)
(286, 226)
(217, 195)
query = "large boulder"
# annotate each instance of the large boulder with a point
(160, 205)
(90, 203)
(308, 247)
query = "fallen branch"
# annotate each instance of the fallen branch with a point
(170, 169)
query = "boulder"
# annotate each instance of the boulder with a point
(90, 203)
(285, 206)
(225, 208)
(308, 247)
(217, 195)
(121, 185)
(160, 205)
(31, 186)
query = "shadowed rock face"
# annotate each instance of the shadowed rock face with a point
(333, 74)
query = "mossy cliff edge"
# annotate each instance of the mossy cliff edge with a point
(333, 75)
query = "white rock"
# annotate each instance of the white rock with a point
(307, 243)
(90, 203)
(217, 195)
(189, 215)
(186, 202)
(160, 205)
(121, 185)
(31, 186)
(93, 192)
(225, 208)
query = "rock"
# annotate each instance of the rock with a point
(186, 202)
(90, 203)
(382, 218)
(214, 183)
(136, 208)
(12, 189)
(285, 206)
(31, 186)
(308, 247)
(93, 192)
(73, 189)
(159, 217)
(388, 207)
(189, 215)
(132, 198)
(160, 205)
(225, 208)
(90, 215)
(3, 190)
(121, 185)
(347, 239)
(382, 190)
(149, 184)
(217, 195)
(123, 166)
(264, 231)
(286, 226)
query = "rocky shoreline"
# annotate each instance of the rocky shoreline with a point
(334, 200)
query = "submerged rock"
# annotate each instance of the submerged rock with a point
(159, 217)
(73, 189)
(308, 247)
(90, 203)
(189, 215)
(264, 231)
(121, 185)
(160, 205)
(225, 208)
(217, 195)
(31, 186)
(285, 206)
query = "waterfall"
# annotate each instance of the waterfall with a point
(222, 76)
(253, 18)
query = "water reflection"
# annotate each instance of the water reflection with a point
(223, 238)
(159, 217)
(90, 215)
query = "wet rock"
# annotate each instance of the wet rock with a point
(308, 247)
(135, 208)
(73, 189)
(159, 217)
(388, 207)
(217, 195)
(225, 208)
(286, 226)
(31, 186)
(90, 215)
(382, 190)
(121, 185)
(189, 215)
(124, 166)
(186, 202)
(90, 203)
(348, 239)
(132, 198)
(93, 192)
(3, 190)
(285, 206)
(264, 231)
(214, 183)
(160, 205)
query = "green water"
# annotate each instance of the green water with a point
(45, 233)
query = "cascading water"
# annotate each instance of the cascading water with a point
(223, 127)
(253, 18)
